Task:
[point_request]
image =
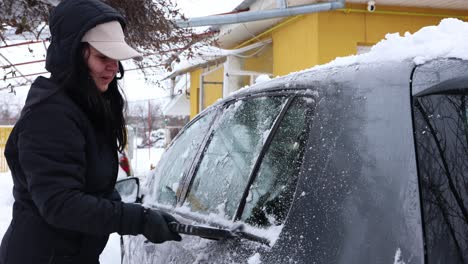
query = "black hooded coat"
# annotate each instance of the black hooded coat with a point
(63, 170)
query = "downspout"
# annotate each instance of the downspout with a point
(201, 97)
(260, 15)
(173, 84)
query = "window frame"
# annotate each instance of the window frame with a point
(266, 147)
(452, 86)
(291, 94)
(152, 182)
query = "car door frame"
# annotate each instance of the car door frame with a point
(186, 181)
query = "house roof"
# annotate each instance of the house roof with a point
(217, 56)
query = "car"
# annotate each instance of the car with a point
(362, 163)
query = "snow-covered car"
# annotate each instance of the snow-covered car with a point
(364, 163)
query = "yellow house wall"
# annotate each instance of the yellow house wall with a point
(212, 92)
(4, 134)
(261, 62)
(194, 92)
(295, 45)
(341, 32)
(321, 37)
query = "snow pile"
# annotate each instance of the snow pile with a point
(447, 40)
(262, 78)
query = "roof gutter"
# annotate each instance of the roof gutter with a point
(216, 61)
(260, 15)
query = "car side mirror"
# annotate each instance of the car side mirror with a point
(129, 189)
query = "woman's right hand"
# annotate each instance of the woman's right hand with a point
(155, 227)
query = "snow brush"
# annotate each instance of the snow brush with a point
(216, 233)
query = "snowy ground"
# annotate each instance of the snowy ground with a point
(111, 254)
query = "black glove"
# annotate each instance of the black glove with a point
(155, 227)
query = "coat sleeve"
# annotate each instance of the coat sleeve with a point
(52, 155)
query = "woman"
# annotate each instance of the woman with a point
(63, 151)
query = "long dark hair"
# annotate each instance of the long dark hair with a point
(104, 110)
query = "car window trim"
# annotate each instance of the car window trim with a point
(185, 180)
(277, 91)
(203, 114)
(190, 123)
(265, 148)
(413, 99)
(454, 86)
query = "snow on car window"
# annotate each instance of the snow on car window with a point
(271, 194)
(225, 167)
(270, 233)
(183, 151)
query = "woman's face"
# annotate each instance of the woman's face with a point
(101, 68)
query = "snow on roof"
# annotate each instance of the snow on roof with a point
(449, 39)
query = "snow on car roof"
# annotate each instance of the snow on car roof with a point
(449, 39)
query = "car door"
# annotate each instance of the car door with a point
(246, 176)
(164, 184)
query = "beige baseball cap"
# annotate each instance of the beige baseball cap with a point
(108, 38)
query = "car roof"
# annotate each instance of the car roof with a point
(303, 82)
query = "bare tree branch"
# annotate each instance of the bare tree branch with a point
(150, 25)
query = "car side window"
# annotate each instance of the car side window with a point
(224, 170)
(441, 122)
(178, 159)
(270, 195)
